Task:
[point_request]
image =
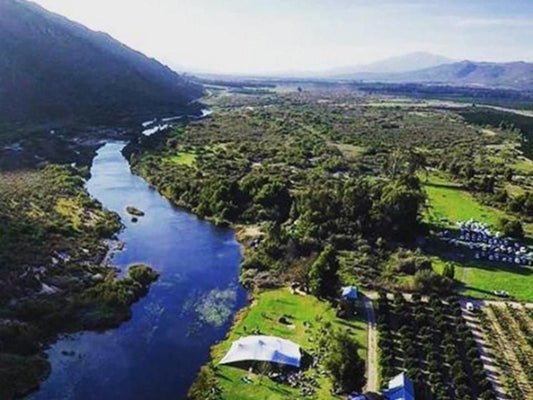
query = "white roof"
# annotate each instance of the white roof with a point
(264, 348)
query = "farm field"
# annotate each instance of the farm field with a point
(309, 319)
(432, 343)
(508, 330)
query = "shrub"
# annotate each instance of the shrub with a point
(343, 362)
(511, 228)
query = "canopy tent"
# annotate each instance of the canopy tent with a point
(400, 388)
(264, 348)
(349, 293)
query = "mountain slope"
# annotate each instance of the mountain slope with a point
(55, 69)
(518, 75)
(513, 75)
(399, 64)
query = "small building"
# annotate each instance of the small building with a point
(349, 293)
(400, 388)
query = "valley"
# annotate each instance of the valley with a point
(328, 149)
(328, 201)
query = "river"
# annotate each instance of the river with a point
(156, 354)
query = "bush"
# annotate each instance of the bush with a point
(511, 228)
(142, 274)
(427, 281)
(343, 362)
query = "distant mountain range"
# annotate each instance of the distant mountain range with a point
(421, 68)
(54, 69)
(513, 75)
(406, 63)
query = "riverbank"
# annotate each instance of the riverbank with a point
(52, 243)
(189, 308)
(303, 319)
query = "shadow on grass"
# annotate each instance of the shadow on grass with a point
(454, 186)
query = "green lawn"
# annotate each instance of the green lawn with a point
(183, 159)
(263, 317)
(481, 278)
(448, 200)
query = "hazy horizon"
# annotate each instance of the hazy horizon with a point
(259, 37)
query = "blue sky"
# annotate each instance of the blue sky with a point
(260, 36)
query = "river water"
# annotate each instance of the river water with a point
(156, 354)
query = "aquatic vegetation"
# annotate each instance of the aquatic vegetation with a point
(216, 307)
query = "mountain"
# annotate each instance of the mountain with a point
(512, 75)
(399, 64)
(54, 69)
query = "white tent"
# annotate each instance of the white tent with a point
(264, 348)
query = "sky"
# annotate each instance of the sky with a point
(269, 36)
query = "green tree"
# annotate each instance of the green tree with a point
(344, 363)
(511, 228)
(323, 275)
(449, 271)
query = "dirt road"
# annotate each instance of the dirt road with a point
(372, 362)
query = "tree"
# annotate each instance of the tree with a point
(449, 271)
(323, 276)
(511, 228)
(344, 363)
(275, 197)
(416, 161)
(396, 212)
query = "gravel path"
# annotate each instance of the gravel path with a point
(372, 363)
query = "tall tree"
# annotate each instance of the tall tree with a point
(323, 276)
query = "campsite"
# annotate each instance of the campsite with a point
(297, 199)
(305, 321)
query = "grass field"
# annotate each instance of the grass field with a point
(187, 159)
(481, 278)
(262, 318)
(449, 201)
(351, 152)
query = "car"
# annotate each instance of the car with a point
(501, 293)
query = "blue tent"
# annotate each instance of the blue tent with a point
(349, 293)
(400, 388)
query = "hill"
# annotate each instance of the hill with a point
(399, 64)
(54, 69)
(518, 75)
(512, 75)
